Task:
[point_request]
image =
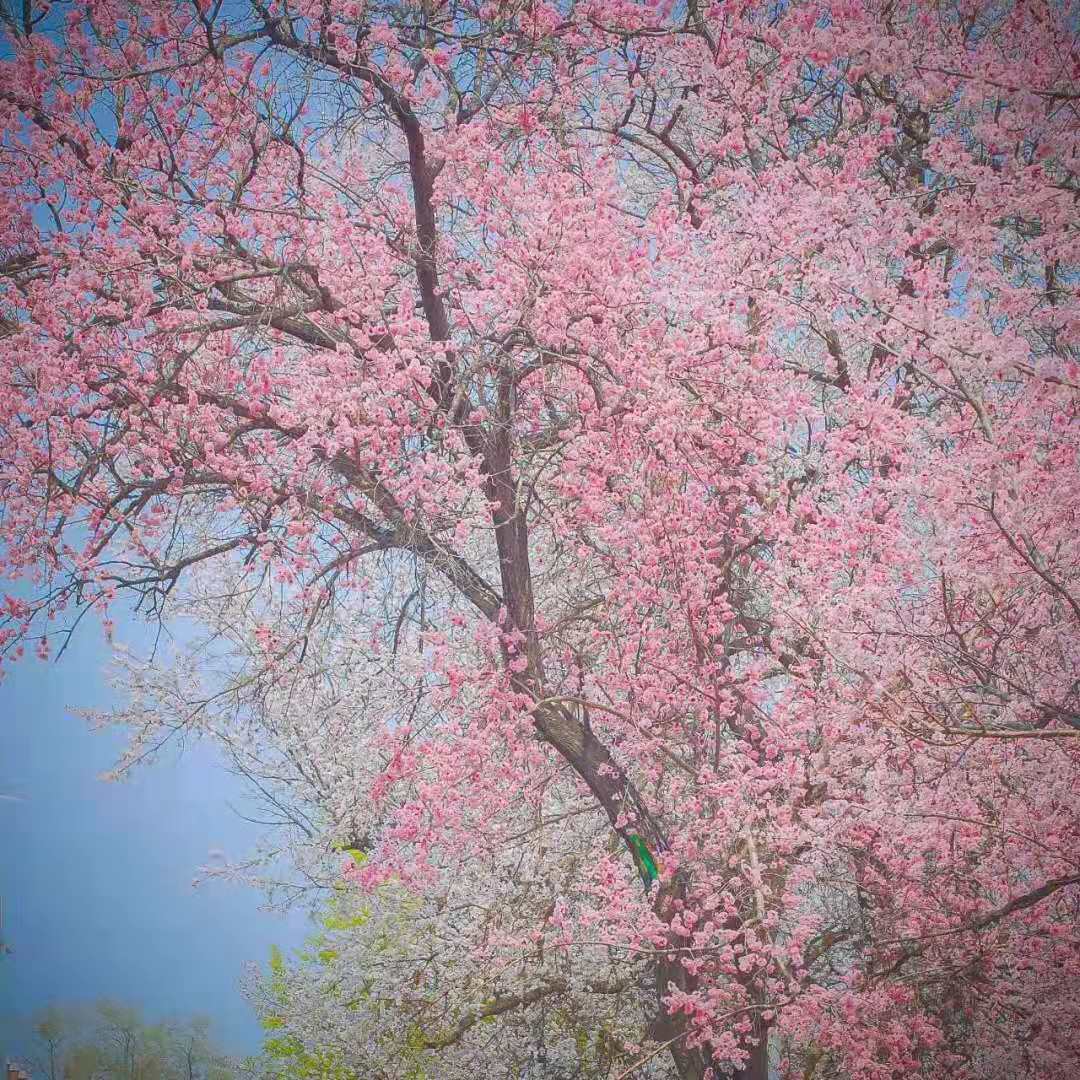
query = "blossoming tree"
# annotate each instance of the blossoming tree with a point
(656, 422)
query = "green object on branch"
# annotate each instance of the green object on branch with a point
(643, 857)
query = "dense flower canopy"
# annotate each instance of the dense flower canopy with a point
(624, 457)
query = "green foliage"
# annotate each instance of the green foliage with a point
(284, 1054)
(344, 966)
(289, 1057)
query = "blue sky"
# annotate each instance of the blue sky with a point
(96, 877)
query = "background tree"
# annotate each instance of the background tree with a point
(51, 1030)
(660, 417)
(112, 1041)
